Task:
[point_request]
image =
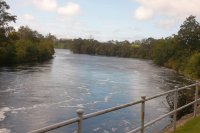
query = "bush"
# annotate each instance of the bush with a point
(193, 66)
(184, 97)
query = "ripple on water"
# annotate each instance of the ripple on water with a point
(2, 113)
(2, 117)
(4, 130)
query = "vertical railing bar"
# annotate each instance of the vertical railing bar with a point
(80, 116)
(175, 108)
(196, 97)
(142, 113)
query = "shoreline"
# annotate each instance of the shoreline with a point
(184, 119)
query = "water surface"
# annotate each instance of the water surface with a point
(37, 95)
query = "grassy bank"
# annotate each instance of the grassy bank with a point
(192, 126)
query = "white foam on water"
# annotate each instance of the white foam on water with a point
(127, 129)
(105, 131)
(113, 81)
(76, 106)
(39, 105)
(2, 112)
(107, 98)
(104, 80)
(126, 122)
(88, 93)
(4, 130)
(97, 102)
(8, 90)
(96, 129)
(80, 105)
(82, 88)
(114, 129)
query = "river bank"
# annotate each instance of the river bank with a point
(181, 122)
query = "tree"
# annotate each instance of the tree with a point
(25, 33)
(189, 34)
(5, 18)
(6, 49)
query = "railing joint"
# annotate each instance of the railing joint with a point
(80, 122)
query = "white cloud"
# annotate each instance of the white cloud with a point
(70, 9)
(28, 17)
(143, 13)
(177, 9)
(166, 24)
(46, 5)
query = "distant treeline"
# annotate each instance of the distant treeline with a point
(180, 52)
(24, 45)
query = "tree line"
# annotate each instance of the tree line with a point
(23, 45)
(180, 51)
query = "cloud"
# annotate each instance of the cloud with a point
(70, 9)
(166, 24)
(28, 17)
(46, 5)
(168, 8)
(143, 13)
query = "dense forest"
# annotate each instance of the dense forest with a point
(180, 52)
(23, 45)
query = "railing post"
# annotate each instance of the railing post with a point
(196, 97)
(175, 108)
(80, 115)
(142, 113)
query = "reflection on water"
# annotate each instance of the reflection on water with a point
(36, 95)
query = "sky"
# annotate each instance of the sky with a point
(104, 19)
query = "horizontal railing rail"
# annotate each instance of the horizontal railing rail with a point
(80, 117)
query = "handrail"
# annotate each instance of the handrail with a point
(82, 117)
(161, 117)
(110, 110)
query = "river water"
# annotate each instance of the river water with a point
(37, 95)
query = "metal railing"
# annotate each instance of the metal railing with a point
(80, 117)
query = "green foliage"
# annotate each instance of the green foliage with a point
(112, 48)
(5, 18)
(193, 66)
(63, 43)
(45, 49)
(24, 45)
(163, 50)
(7, 52)
(25, 33)
(29, 48)
(189, 34)
(26, 51)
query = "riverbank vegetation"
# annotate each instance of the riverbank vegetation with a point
(23, 45)
(180, 52)
(191, 126)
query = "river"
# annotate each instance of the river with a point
(37, 95)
